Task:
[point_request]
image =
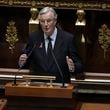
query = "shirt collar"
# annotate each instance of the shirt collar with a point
(53, 36)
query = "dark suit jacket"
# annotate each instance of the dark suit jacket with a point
(64, 46)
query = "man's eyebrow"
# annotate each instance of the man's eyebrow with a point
(47, 19)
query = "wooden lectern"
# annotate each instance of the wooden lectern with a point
(40, 97)
(39, 90)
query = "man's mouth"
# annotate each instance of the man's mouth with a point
(46, 29)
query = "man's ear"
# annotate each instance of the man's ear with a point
(55, 21)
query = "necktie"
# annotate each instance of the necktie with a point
(49, 45)
(49, 54)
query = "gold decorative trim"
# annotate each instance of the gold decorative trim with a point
(62, 4)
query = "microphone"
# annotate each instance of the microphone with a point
(59, 69)
(21, 66)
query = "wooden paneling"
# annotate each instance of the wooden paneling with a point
(95, 106)
(20, 16)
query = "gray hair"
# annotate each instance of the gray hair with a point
(46, 10)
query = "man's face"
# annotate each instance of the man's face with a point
(47, 22)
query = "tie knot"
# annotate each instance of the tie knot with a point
(49, 39)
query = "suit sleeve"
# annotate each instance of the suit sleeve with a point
(28, 51)
(74, 56)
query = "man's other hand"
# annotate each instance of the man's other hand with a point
(22, 60)
(70, 63)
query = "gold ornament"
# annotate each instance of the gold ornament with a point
(11, 35)
(104, 38)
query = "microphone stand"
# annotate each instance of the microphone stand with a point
(15, 84)
(59, 69)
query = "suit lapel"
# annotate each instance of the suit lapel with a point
(42, 50)
(58, 42)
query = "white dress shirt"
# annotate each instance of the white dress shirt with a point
(53, 37)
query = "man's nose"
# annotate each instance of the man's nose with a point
(46, 23)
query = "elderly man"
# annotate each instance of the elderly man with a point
(60, 59)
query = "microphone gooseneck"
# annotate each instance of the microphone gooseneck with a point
(59, 69)
(21, 66)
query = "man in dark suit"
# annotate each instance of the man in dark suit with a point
(63, 59)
